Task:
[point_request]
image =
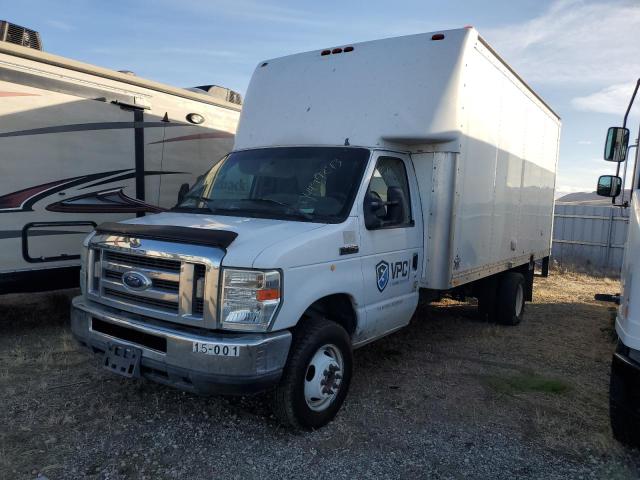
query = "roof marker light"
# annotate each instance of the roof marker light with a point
(325, 52)
(348, 49)
(437, 36)
(336, 50)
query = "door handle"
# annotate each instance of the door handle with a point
(349, 249)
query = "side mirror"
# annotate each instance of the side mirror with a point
(609, 186)
(184, 189)
(615, 149)
(379, 214)
(374, 211)
(397, 205)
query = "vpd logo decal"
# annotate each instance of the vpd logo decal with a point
(382, 275)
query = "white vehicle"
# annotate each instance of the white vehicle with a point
(82, 145)
(624, 393)
(360, 176)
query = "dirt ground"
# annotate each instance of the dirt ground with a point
(450, 396)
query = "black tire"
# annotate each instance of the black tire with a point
(487, 295)
(625, 423)
(510, 298)
(289, 404)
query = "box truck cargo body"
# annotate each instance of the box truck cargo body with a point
(484, 145)
(361, 176)
(81, 145)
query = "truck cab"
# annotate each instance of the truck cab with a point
(336, 208)
(265, 238)
(624, 389)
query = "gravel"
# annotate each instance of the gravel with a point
(436, 400)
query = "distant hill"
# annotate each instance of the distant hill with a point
(587, 198)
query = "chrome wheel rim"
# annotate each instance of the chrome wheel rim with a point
(323, 377)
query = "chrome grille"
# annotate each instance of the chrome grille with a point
(198, 307)
(165, 305)
(166, 285)
(171, 294)
(199, 273)
(142, 261)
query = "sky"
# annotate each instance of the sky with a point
(581, 56)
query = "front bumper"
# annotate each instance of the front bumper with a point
(259, 365)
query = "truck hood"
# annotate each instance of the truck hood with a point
(254, 234)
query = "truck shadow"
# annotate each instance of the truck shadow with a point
(25, 312)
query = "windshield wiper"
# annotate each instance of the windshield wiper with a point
(264, 200)
(292, 211)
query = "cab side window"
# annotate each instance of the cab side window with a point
(387, 202)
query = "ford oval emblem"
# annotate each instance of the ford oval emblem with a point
(136, 281)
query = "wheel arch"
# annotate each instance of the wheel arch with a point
(337, 307)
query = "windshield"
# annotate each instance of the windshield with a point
(315, 184)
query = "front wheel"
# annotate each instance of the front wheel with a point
(316, 378)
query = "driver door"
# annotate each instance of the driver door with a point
(391, 243)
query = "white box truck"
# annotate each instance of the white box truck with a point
(361, 175)
(81, 145)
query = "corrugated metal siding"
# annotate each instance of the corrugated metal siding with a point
(587, 235)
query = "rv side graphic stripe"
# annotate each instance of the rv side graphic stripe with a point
(15, 199)
(197, 136)
(18, 94)
(80, 127)
(112, 200)
(22, 200)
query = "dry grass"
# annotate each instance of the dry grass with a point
(544, 382)
(546, 378)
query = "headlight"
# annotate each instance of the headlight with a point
(250, 298)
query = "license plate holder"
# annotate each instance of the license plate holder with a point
(123, 360)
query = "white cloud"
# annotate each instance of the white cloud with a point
(575, 42)
(613, 99)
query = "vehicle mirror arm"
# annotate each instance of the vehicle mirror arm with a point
(624, 125)
(381, 203)
(633, 97)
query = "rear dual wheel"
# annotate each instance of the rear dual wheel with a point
(501, 298)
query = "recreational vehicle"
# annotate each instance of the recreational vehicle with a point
(81, 145)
